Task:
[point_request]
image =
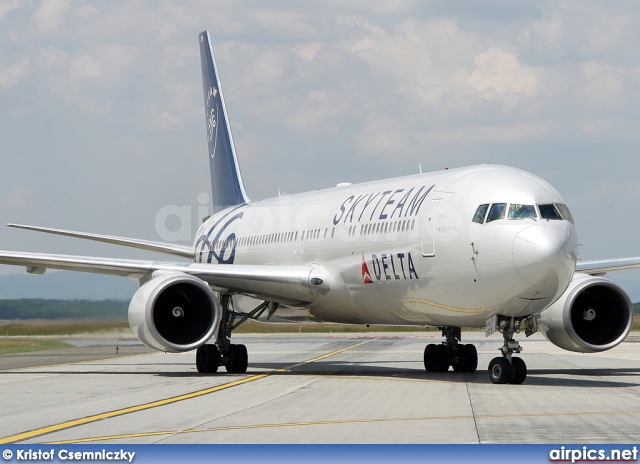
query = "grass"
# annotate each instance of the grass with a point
(319, 327)
(22, 346)
(39, 328)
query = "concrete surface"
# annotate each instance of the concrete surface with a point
(373, 391)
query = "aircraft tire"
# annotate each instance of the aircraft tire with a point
(459, 366)
(211, 359)
(469, 355)
(200, 359)
(519, 371)
(429, 356)
(207, 358)
(441, 359)
(500, 370)
(238, 359)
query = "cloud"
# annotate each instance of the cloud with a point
(425, 60)
(383, 136)
(7, 5)
(603, 84)
(321, 113)
(14, 74)
(49, 18)
(500, 134)
(51, 57)
(307, 51)
(17, 198)
(502, 72)
(280, 22)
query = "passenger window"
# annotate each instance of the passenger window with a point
(549, 212)
(522, 211)
(481, 212)
(496, 212)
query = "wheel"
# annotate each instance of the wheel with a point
(467, 359)
(500, 370)
(211, 359)
(519, 371)
(429, 356)
(459, 365)
(441, 359)
(200, 357)
(238, 359)
(469, 355)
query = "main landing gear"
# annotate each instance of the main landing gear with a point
(223, 353)
(438, 358)
(508, 368)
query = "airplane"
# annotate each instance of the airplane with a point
(480, 246)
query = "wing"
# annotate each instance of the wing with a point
(290, 285)
(602, 266)
(179, 250)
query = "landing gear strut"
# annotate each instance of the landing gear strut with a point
(508, 368)
(233, 357)
(438, 358)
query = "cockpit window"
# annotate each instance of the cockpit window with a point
(564, 211)
(549, 212)
(481, 212)
(522, 211)
(496, 212)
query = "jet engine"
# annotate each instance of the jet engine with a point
(594, 314)
(174, 312)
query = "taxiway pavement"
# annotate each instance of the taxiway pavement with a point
(328, 388)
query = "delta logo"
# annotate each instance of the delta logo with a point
(392, 266)
(366, 277)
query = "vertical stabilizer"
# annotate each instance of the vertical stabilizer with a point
(226, 181)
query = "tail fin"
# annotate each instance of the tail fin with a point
(226, 182)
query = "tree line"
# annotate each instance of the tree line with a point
(28, 308)
(32, 308)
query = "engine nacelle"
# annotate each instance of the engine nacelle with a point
(594, 314)
(174, 312)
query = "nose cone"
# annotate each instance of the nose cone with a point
(545, 251)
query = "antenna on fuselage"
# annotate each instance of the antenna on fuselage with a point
(420, 167)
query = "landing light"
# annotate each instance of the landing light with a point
(316, 281)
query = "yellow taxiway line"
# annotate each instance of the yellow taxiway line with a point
(154, 404)
(337, 422)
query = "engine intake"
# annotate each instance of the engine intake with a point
(174, 312)
(594, 314)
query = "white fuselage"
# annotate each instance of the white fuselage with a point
(406, 250)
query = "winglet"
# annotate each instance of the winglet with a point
(226, 181)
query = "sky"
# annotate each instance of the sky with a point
(102, 124)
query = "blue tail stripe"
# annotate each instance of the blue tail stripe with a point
(226, 182)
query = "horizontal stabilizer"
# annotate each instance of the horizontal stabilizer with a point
(160, 247)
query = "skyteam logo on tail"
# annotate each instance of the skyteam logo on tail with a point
(226, 181)
(212, 120)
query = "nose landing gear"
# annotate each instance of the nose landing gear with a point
(508, 368)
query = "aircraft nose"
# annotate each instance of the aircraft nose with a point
(542, 249)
